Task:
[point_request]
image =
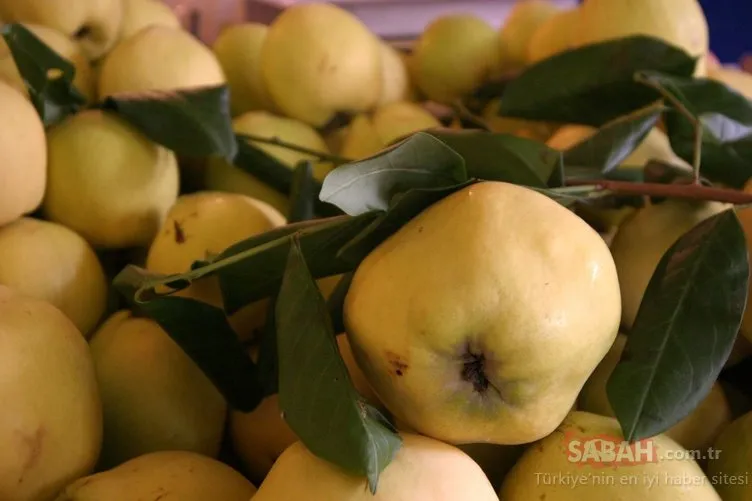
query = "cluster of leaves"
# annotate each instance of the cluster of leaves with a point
(682, 335)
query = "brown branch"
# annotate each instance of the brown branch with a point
(687, 191)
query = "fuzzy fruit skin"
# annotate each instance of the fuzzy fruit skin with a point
(678, 22)
(23, 156)
(51, 424)
(644, 238)
(454, 55)
(50, 262)
(222, 176)
(94, 24)
(204, 224)
(159, 58)
(422, 469)
(536, 475)
(107, 181)
(522, 296)
(238, 49)
(733, 460)
(140, 14)
(182, 475)
(317, 60)
(519, 28)
(154, 396)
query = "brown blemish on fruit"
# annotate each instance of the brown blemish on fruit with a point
(398, 364)
(33, 444)
(179, 233)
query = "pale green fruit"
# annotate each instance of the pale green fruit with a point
(23, 156)
(107, 181)
(553, 36)
(51, 425)
(519, 28)
(454, 56)
(140, 14)
(154, 396)
(222, 176)
(65, 47)
(167, 475)
(656, 469)
(644, 238)
(238, 48)
(50, 262)
(318, 59)
(697, 431)
(681, 23)
(395, 76)
(422, 469)
(463, 341)
(93, 24)
(159, 58)
(201, 225)
(731, 464)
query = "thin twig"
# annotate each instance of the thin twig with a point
(461, 112)
(688, 191)
(275, 141)
(697, 158)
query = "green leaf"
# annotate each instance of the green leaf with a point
(317, 396)
(204, 333)
(262, 166)
(726, 118)
(256, 272)
(593, 84)
(48, 77)
(569, 196)
(193, 123)
(685, 328)
(268, 359)
(303, 194)
(602, 153)
(419, 161)
(336, 302)
(404, 207)
(503, 157)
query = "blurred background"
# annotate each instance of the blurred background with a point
(401, 20)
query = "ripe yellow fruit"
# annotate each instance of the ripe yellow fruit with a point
(93, 24)
(51, 429)
(238, 49)
(395, 76)
(260, 436)
(201, 225)
(64, 47)
(531, 129)
(222, 176)
(107, 181)
(154, 396)
(361, 139)
(140, 14)
(644, 238)
(656, 469)
(50, 262)
(159, 58)
(422, 469)
(519, 28)
(681, 23)
(182, 475)
(23, 156)
(697, 431)
(463, 341)
(736, 79)
(730, 468)
(317, 60)
(454, 56)
(553, 36)
(745, 217)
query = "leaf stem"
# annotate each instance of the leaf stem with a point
(687, 191)
(696, 123)
(275, 141)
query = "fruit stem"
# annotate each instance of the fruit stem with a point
(696, 123)
(275, 141)
(461, 112)
(688, 191)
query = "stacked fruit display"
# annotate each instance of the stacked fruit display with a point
(510, 263)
